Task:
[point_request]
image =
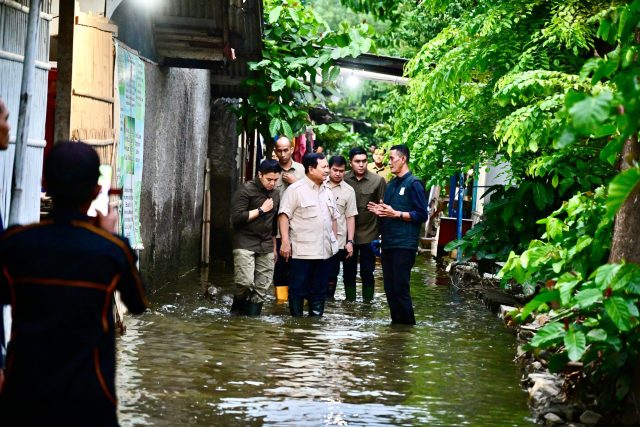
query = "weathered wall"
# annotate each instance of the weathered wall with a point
(176, 135)
(223, 151)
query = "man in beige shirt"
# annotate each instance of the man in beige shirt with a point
(291, 172)
(378, 166)
(308, 229)
(346, 204)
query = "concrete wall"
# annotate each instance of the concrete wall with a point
(225, 176)
(176, 135)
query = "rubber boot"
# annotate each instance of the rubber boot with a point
(316, 308)
(282, 294)
(367, 293)
(238, 305)
(253, 308)
(350, 293)
(295, 306)
(331, 291)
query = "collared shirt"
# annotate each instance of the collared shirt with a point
(368, 189)
(311, 209)
(297, 169)
(346, 203)
(384, 171)
(256, 235)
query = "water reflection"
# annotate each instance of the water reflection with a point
(189, 362)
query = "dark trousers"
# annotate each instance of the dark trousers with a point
(367, 266)
(281, 269)
(396, 271)
(334, 265)
(309, 279)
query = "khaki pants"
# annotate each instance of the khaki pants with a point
(253, 273)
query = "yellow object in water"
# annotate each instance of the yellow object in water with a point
(282, 293)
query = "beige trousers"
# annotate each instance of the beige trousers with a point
(253, 274)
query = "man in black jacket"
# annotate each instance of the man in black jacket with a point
(59, 277)
(402, 213)
(254, 209)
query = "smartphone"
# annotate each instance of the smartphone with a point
(101, 203)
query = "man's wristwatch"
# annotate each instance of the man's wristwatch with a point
(350, 241)
(260, 211)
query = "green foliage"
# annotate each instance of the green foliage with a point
(297, 68)
(595, 314)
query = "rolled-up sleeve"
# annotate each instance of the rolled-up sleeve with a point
(418, 195)
(288, 202)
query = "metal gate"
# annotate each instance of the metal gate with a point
(13, 32)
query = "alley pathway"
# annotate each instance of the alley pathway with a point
(188, 362)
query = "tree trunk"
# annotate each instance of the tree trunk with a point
(626, 246)
(626, 231)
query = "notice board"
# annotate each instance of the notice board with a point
(131, 94)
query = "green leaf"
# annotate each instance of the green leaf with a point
(334, 73)
(610, 152)
(549, 334)
(274, 15)
(616, 308)
(555, 227)
(589, 113)
(587, 297)
(565, 285)
(597, 335)
(278, 84)
(576, 344)
(274, 126)
(620, 188)
(286, 128)
(454, 244)
(274, 109)
(537, 301)
(604, 275)
(539, 195)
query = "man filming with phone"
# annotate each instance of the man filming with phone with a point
(59, 276)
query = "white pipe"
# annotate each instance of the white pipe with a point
(24, 112)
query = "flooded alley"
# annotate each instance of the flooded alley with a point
(188, 362)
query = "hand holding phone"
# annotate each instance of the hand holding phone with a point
(101, 203)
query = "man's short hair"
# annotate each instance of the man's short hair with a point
(356, 151)
(269, 166)
(311, 160)
(403, 150)
(71, 173)
(337, 161)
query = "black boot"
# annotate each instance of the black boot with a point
(331, 291)
(295, 306)
(253, 308)
(237, 307)
(316, 308)
(350, 292)
(367, 293)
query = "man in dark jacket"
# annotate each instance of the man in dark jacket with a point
(402, 212)
(254, 209)
(59, 277)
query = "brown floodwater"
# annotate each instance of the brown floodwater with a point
(188, 362)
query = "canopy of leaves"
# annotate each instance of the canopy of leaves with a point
(297, 69)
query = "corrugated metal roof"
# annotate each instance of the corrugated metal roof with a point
(201, 34)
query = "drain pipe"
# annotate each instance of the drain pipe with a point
(206, 215)
(24, 112)
(460, 207)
